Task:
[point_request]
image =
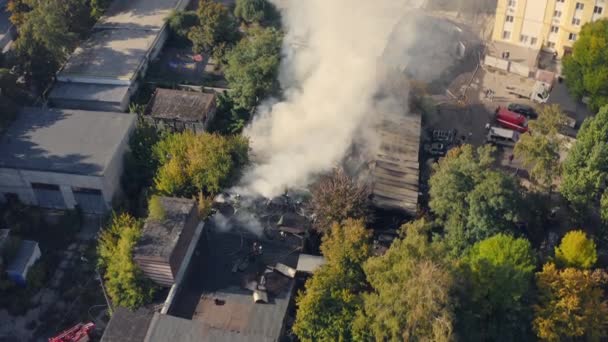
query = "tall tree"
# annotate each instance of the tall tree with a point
(496, 277)
(411, 299)
(18, 10)
(327, 307)
(336, 197)
(586, 70)
(585, 169)
(191, 163)
(215, 25)
(576, 250)
(250, 10)
(471, 200)
(252, 67)
(572, 304)
(539, 151)
(124, 281)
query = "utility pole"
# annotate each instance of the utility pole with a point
(103, 289)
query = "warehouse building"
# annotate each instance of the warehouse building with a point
(103, 73)
(62, 158)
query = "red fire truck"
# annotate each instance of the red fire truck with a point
(511, 120)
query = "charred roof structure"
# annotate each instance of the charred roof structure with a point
(241, 280)
(163, 245)
(395, 169)
(179, 110)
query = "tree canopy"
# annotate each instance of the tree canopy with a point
(327, 308)
(181, 22)
(539, 151)
(497, 274)
(586, 69)
(411, 299)
(215, 26)
(252, 67)
(585, 167)
(250, 10)
(336, 197)
(192, 163)
(124, 281)
(576, 250)
(470, 199)
(571, 304)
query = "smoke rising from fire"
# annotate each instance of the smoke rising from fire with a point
(329, 76)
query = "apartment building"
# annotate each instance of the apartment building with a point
(549, 25)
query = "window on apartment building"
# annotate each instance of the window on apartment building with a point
(509, 19)
(576, 21)
(506, 35)
(562, 1)
(551, 45)
(557, 14)
(533, 41)
(512, 3)
(598, 10)
(572, 36)
(523, 38)
(554, 29)
(580, 6)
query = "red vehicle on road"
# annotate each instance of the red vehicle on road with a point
(511, 120)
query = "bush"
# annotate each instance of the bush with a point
(576, 250)
(156, 210)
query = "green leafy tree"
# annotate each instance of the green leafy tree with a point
(331, 299)
(18, 10)
(215, 25)
(539, 151)
(471, 200)
(250, 10)
(336, 197)
(252, 67)
(585, 167)
(576, 250)
(191, 163)
(229, 119)
(571, 305)
(411, 299)
(496, 276)
(181, 22)
(586, 69)
(98, 7)
(123, 279)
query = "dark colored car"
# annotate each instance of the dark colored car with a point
(524, 110)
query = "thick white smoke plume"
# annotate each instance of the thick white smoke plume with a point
(329, 77)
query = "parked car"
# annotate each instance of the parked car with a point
(443, 136)
(502, 136)
(525, 110)
(511, 120)
(435, 149)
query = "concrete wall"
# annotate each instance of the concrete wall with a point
(114, 170)
(19, 182)
(519, 69)
(497, 63)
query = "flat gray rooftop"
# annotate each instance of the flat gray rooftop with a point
(160, 238)
(110, 53)
(138, 14)
(88, 92)
(64, 141)
(121, 40)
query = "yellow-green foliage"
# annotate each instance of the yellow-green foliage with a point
(156, 211)
(123, 279)
(576, 250)
(205, 205)
(571, 305)
(191, 163)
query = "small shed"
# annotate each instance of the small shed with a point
(164, 243)
(26, 256)
(179, 110)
